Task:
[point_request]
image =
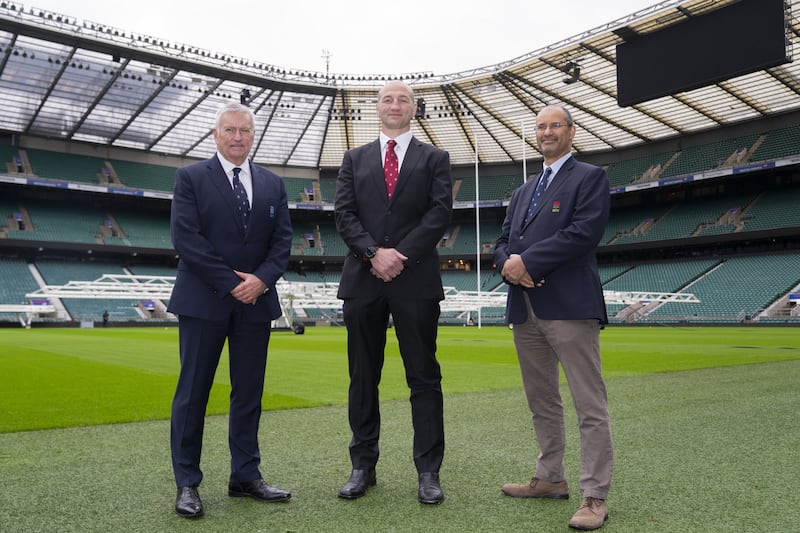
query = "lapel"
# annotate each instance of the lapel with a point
(556, 183)
(259, 183)
(526, 199)
(375, 169)
(217, 176)
(410, 160)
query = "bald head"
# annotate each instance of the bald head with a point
(396, 107)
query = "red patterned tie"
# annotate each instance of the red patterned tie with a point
(390, 167)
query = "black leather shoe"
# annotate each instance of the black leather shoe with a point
(259, 490)
(429, 489)
(188, 503)
(358, 483)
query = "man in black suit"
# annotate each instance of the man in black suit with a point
(392, 219)
(546, 253)
(230, 225)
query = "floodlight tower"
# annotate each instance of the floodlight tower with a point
(326, 55)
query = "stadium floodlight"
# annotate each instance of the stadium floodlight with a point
(574, 70)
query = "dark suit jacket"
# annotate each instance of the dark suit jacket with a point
(558, 244)
(209, 236)
(413, 222)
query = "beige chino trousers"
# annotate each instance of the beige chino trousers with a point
(575, 344)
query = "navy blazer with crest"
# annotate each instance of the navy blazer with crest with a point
(413, 221)
(558, 244)
(209, 236)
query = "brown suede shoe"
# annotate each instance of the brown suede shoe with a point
(592, 514)
(537, 488)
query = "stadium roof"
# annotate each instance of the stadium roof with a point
(61, 78)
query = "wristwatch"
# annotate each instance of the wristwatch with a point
(370, 252)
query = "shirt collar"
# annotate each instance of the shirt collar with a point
(558, 164)
(403, 140)
(228, 167)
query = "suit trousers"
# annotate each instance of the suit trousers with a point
(416, 327)
(575, 344)
(201, 342)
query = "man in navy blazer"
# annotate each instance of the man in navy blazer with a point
(546, 253)
(230, 226)
(392, 220)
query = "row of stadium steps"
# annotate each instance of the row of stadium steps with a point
(61, 272)
(739, 288)
(17, 281)
(771, 209)
(462, 238)
(753, 147)
(51, 221)
(317, 240)
(493, 188)
(749, 148)
(20, 278)
(696, 159)
(732, 290)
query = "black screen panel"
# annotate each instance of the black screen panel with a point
(743, 37)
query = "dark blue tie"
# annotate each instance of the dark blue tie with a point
(241, 197)
(540, 187)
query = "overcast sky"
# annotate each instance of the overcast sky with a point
(363, 37)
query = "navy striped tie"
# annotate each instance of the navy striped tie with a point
(540, 187)
(241, 197)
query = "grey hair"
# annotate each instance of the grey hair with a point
(234, 107)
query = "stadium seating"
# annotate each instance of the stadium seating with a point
(688, 218)
(737, 288)
(610, 272)
(659, 277)
(296, 189)
(80, 309)
(773, 209)
(778, 143)
(327, 187)
(631, 224)
(644, 168)
(707, 156)
(144, 175)
(493, 188)
(765, 146)
(9, 210)
(151, 270)
(141, 230)
(330, 241)
(7, 155)
(769, 209)
(17, 281)
(68, 167)
(62, 223)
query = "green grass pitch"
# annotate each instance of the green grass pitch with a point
(704, 421)
(74, 377)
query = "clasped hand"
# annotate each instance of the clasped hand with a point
(387, 264)
(250, 288)
(514, 272)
